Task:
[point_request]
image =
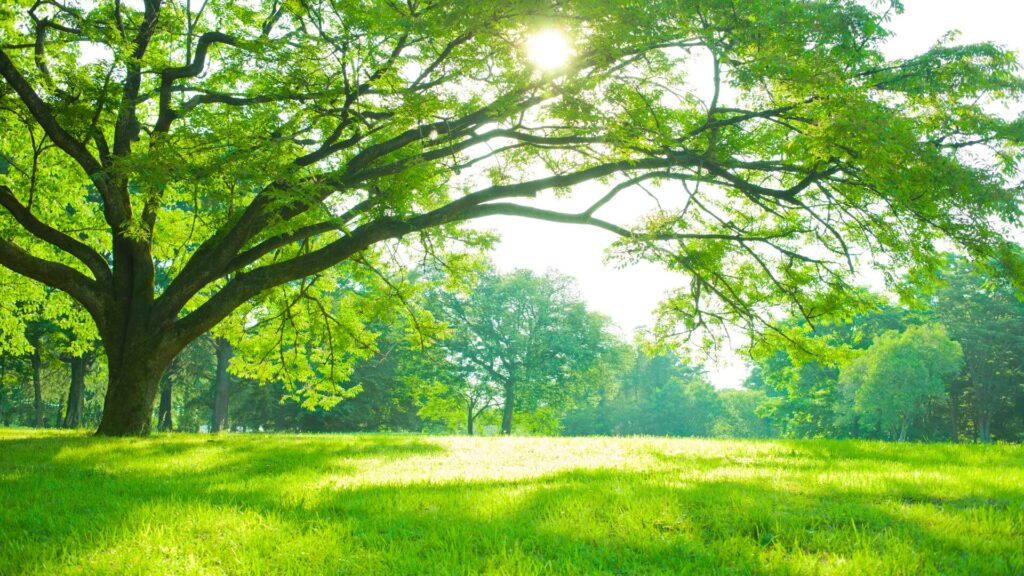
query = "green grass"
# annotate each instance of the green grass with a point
(369, 504)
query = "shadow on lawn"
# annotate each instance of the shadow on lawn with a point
(912, 454)
(576, 520)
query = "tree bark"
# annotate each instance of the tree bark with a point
(904, 428)
(134, 379)
(164, 420)
(76, 393)
(222, 385)
(139, 348)
(469, 420)
(37, 386)
(506, 414)
(985, 428)
(954, 415)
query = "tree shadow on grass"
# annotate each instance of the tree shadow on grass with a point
(910, 454)
(615, 522)
(247, 505)
(61, 496)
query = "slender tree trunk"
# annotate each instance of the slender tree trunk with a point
(164, 421)
(506, 414)
(76, 393)
(222, 386)
(985, 428)
(37, 386)
(4, 408)
(4, 413)
(954, 416)
(469, 420)
(984, 404)
(904, 428)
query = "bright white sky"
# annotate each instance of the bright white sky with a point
(630, 295)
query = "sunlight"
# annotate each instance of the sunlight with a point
(549, 49)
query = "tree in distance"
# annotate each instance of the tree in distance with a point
(522, 341)
(892, 380)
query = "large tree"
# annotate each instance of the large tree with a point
(235, 147)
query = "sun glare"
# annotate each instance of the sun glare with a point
(548, 50)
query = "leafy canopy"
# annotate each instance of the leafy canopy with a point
(169, 162)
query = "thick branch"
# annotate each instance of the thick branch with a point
(44, 116)
(246, 285)
(194, 68)
(211, 260)
(115, 208)
(127, 127)
(55, 237)
(64, 278)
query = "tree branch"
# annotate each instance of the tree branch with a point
(92, 259)
(192, 69)
(77, 285)
(44, 116)
(127, 127)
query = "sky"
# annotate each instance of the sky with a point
(629, 295)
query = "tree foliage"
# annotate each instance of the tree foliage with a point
(524, 342)
(985, 316)
(894, 378)
(169, 163)
(656, 394)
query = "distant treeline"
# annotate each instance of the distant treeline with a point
(520, 353)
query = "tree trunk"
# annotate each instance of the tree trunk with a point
(76, 393)
(37, 386)
(222, 386)
(985, 429)
(134, 379)
(954, 416)
(904, 428)
(164, 421)
(506, 414)
(469, 420)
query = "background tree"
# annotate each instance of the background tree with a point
(380, 394)
(239, 148)
(185, 399)
(894, 378)
(981, 313)
(452, 393)
(528, 340)
(658, 395)
(221, 385)
(46, 328)
(741, 415)
(802, 392)
(79, 367)
(986, 318)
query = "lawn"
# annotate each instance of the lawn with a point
(386, 504)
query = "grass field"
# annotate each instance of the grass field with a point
(367, 504)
